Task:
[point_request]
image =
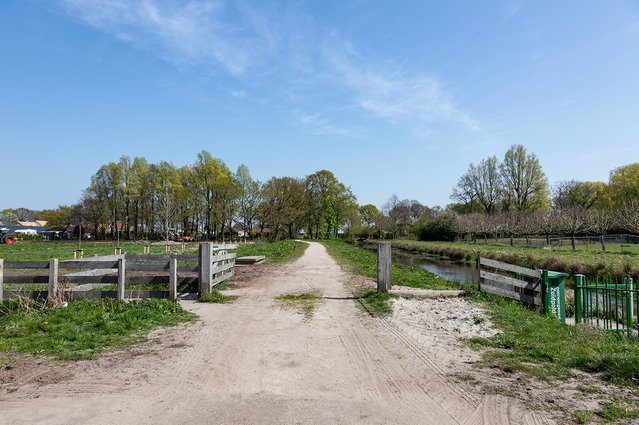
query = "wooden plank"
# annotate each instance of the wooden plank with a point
(76, 264)
(26, 279)
(250, 259)
(223, 257)
(159, 257)
(173, 279)
(26, 265)
(53, 279)
(227, 247)
(147, 267)
(94, 272)
(532, 286)
(223, 267)
(113, 258)
(383, 266)
(487, 262)
(222, 278)
(205, 274)
(510, 294)
(80, 280)
(121, 278)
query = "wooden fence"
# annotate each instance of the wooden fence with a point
(510, 281)
(216, 265)
(84, 278)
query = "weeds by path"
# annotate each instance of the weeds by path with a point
(217, 297)
(305, 303)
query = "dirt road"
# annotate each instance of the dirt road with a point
(254, 361)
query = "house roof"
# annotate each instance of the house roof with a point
(37, 223)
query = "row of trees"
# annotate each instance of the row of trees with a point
(143, 200)
(513, 197)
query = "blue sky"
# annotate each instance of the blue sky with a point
(393, 97)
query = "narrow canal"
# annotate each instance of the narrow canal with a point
(450, 270)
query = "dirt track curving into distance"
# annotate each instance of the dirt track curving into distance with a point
(254, 361)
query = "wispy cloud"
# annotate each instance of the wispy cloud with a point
(279, 49)
(184, 33)
(393, 93)
(318, 124)
(513, 10)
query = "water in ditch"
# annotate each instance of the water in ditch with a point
(450, 270)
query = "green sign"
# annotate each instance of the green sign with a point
(554, 294)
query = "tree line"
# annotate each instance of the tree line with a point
(513, 198)
(138, 199)
(133, 199)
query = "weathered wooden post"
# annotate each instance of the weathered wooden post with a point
(121, 278)
(53, 280)
(383, 266)
(1, 280)
(206, 267)
(173, 279)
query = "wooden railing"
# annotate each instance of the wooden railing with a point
(70, 279)
(510, 281)
(216, 265)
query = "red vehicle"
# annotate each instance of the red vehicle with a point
(6, 238)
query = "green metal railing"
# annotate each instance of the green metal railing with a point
(607, 302)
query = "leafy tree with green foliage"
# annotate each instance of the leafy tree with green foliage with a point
(624, 184)
(250, 198)
(482, 184)
(525, 184)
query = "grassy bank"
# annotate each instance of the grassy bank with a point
(363, 262)
(84, 328)
(584, 260)
(536, 344)
(528, 342)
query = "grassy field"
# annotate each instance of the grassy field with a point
(275, 252)
(84, 328)
(586, 259)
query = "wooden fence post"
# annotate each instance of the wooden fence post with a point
(173, 279)
(206, 267)
(121, 278)
(53, 279)
(383, 266)
(1, 280)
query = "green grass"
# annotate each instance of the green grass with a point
(305, 303)
(275, 252)
(63, 250)
(543, 347)
(362, 262)
(587, 259)
(84, 328)
(613, 412)
(217, 297)
(376, 303)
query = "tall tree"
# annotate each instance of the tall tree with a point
(481, 184)
(624, 183)
(249, 200)
(525, 184)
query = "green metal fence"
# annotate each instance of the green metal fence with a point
(607, 302)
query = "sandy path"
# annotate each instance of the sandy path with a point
(255, 362)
